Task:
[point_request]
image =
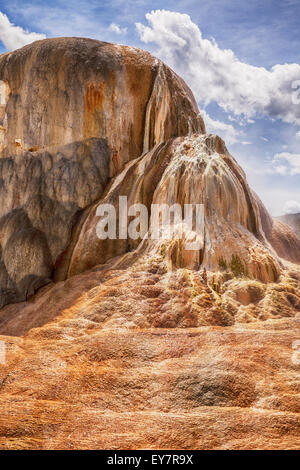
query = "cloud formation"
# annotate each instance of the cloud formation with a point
(227, 131)
(217, 75)
(115, 28)
(286, 163)
(13, 36)
(292, 207)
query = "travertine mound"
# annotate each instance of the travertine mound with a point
(60, 91)
(128, 344)
(73, 113)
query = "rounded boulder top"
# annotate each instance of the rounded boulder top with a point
(64, 90)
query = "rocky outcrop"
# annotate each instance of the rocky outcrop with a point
(203, 340)
(61, 91)
(73, 113)
(196, 169)
(80, 118)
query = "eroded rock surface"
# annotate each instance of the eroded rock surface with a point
(73, 113)
(125, 344)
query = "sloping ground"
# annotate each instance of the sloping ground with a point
(202, 388)
(134, 363)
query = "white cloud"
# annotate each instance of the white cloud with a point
(226, 131)
(298, 134)
(13, 36)
(280, 170)
(286, 163)
(291, 207)
(116, 29)
(216, 74)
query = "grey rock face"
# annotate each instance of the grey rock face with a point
(42, 194)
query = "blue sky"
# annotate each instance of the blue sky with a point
(226, 50)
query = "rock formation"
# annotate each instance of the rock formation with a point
(109, 338)
(74, 113)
